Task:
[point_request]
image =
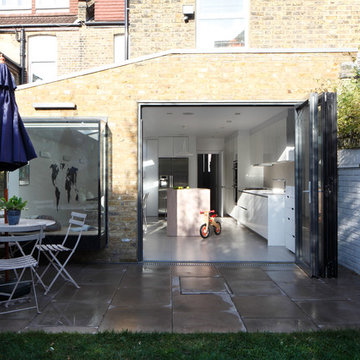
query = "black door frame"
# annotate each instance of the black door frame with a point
(329, 249)
(322, 118)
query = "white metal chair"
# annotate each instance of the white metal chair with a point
(19, 264)
(53, 251)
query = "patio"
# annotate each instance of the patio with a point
(184, 298)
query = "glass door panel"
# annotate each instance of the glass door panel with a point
(316, 193)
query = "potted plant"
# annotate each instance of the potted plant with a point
(13, 208)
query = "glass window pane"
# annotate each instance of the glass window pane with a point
(42, 71)
(119, 48)
(52, 4)
(15, 4)
(221, 33)
(65, 175)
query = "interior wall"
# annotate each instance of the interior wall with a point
(209, 145)
(151, 174)
(279, 171)
(40, 192)
(230, 154)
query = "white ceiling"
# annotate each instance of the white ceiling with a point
(204, 121)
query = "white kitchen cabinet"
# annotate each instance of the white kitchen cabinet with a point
(166, 146)
(180, 146)
(263, 212)
(290, 218)
(256, 148)
(173, 146)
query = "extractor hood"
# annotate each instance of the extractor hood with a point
(287, 155)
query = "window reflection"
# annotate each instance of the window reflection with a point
(66, 175)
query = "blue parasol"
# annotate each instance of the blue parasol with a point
(16, 148)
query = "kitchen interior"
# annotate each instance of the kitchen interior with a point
(244, 157)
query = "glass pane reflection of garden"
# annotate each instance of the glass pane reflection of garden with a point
(66, 175)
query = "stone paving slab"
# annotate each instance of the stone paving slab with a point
(191, 298)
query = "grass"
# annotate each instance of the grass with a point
(342, 344)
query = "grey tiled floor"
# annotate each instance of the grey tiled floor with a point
(194, 298)
(235, 243)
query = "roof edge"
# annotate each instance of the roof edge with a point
(188, 51)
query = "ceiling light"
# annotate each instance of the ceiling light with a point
(169, 113)
(229, 121)
(188, 113)
(237, 113)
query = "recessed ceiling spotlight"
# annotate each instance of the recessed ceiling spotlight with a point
(188, 113)
(183, 126)
(237, 113)
(229, 121)
(169, 113)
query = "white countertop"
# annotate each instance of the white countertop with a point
(265, 192)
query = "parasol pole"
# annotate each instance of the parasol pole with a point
(6, 196)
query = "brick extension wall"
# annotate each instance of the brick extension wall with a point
(115, 93)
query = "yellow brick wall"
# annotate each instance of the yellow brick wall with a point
(157, 25)
(304, 23)
(115, 93)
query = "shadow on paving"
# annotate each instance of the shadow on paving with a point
(193, 298)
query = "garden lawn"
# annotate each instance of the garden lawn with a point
(344, 344)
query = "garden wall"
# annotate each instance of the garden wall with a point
(349, 209)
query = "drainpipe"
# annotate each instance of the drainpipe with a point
(22, 41)
(126, 29)
(22, 55)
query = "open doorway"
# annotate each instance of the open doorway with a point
(209, 177)
(243, 153)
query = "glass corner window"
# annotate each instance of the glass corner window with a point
(221, 24)
(69, 174)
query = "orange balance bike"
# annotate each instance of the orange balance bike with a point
(209, 217)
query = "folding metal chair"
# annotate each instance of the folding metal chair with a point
(19, 264)
(53, 251)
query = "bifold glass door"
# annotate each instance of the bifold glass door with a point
(316, 185)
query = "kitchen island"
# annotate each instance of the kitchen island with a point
(183, 211)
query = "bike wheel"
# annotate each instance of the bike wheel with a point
(204, 231)
(217, 228)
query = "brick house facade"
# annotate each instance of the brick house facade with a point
(289, 49)
(82, 32)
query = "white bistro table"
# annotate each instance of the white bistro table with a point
(23, 226)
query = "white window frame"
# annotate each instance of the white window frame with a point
(15, 6)
(46, 57)
(230, 16)
(44, 6)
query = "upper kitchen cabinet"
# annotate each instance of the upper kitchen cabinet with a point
(173, 146)
(256, 148)
(274, 142)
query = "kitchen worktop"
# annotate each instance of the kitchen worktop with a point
(264, 192)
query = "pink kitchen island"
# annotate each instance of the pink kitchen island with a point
(183, 211)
